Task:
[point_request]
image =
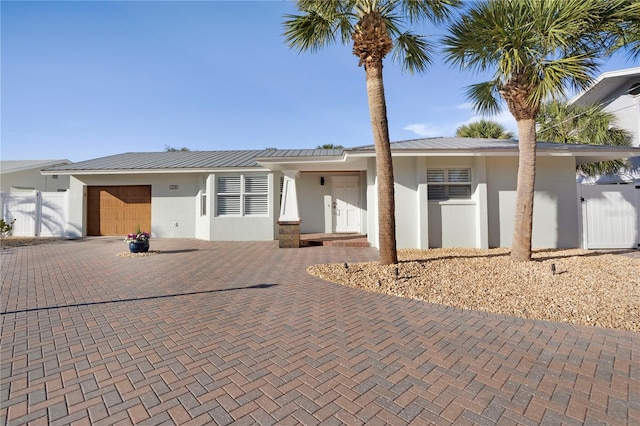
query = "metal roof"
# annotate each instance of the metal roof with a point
(477, 144)
(605, 85)
(446, 143)
(11, 166)
(190, 159)
(238, 159)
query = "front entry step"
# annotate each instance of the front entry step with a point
(334, 240)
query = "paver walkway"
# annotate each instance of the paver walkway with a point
(219, 333)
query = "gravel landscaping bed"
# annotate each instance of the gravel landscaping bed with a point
(589, 288)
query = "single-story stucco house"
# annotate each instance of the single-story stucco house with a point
(450, 192)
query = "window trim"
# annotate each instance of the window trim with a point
(243, 195)
(447, 183)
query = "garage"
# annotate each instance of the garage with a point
(118, 210)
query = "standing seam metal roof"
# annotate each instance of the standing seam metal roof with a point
(247, 158)
(456, 144)
(191, 159)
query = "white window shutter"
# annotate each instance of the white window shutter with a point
(435, 175)
(436, 192)
(256, 184)
(460, 192)
(228, 205)
(459, 175)
(228, 184)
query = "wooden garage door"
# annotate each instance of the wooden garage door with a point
(117, 210)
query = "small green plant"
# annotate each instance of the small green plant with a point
(5, 230)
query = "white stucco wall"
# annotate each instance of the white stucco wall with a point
(168, 206)
(313, 202)
(203, 221)
(33, 180)
(454, 223)
(77, 208)
(555, 216)
(406, 202)
(181, 206)
(405, 173)
(486, 220)
(372, 204)
(626, 108)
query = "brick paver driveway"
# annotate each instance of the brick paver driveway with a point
(238, 332)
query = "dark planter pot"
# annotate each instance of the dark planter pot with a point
(139, 247)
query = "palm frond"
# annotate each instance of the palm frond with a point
(560, 122)
(322, 23)
(412, 52)
(436, 11)
(308, 32)
(484, 97)
(551, 77)
(543, 45)
(622, 30)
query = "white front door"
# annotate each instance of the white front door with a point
(346, 203)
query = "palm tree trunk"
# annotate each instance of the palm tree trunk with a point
(523, 223)
(384, 166)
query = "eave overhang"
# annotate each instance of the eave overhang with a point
(330, 163)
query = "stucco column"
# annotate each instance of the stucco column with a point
(482, 208)
(289, 221)
(289, 202)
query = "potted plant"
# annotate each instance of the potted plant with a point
(138, 241)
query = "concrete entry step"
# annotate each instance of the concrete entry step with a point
(335, 240)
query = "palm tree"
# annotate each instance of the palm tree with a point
(376, 28)
(625, 26)
(330, 146)
(560, 122)
(484, 129)
(535, 48)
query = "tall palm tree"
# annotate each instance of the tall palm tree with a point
(535, 48)
(484, 129)
(560, 122)
(625, 26)
(376, 28)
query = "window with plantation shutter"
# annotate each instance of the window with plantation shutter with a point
(448, 184)
(256, 195)
(228, 195)
(242, 195)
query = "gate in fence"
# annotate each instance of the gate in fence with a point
(610, 216)
(37, 214)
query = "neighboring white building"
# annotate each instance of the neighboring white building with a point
(25, 176)
(450, 192)
(619, 93)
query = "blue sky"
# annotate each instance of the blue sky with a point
(82, 80)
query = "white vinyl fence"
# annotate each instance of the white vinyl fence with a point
(610, 216)
(37, 214)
